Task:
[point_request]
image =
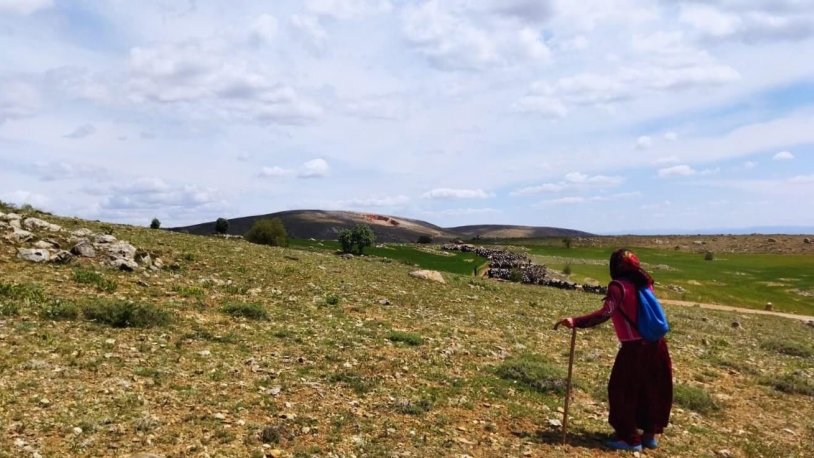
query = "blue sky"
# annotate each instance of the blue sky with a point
(602, 115)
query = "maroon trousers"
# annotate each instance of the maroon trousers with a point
(640, 390)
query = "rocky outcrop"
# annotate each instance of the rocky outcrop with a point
(84, 249)
(34, 254)
(430, 275)
(34, 224)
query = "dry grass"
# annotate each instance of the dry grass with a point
(315, 379)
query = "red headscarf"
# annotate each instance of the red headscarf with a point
(625, 264)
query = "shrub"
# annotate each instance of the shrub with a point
(9, 308)
(709, 256)
(410, 338)
(791, 384)
(332, 299)
(566, 242)
(221, 225)
(413, 407)
(357, 239)
(155, 224)
(121, 314)
(694, 398)
(534, 373)
(424, 239)
(567, 269)
(788, 347)
(90, 277)
(268, 231)
(516, 275)
(59, 310)
(249, 311)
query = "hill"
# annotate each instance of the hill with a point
(503, 231)
(226, 348)
(326, 225)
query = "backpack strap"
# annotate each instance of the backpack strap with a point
(621, 307)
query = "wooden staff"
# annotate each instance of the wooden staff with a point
(568, 382)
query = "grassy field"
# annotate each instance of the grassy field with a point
(741, 280)
(424, 256)
(240, 350)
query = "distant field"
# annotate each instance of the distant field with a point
(422, 256)
(744, 280)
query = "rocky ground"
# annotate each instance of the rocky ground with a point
(234, 349)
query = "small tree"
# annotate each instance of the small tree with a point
(363, 237)
(155, 224)
(346, 240)
(709, 256)
(567, 242)
(268, 231)
(221, 225)
(357, 239)
(424, 239)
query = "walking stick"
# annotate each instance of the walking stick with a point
(568, 382)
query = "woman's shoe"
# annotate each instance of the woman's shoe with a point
(622, 445)
(649, 441)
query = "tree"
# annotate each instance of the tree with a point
(357, 239)
(268, 231)
(155, 224)
(567, 242)
(221, 225)
(424, 239)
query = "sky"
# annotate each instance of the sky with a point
(601, 115)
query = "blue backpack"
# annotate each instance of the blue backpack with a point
(652, 322)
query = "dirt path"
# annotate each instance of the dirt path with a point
(738, 309)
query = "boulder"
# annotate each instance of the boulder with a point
(19, 235)
(82, 233)
(45, 244)
(15, 223)
(121, 249)
(84, 249)
(104, 238)
(431, 275)
(39, 224)
(127, 265)
(34, 254)
(806, 240)
(62, 257)
(11, 217)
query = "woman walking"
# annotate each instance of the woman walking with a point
(640, 389)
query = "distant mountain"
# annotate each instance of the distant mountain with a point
(326, 225)
(504, 231)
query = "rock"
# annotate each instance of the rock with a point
(724, 452)
(770, 240)
(555, 422)
(806, 240)
(38, 224)
(84, 249)
(45, 245)
(121, 249)
(12, 217)
(384, 302)
(736, 324)
(15, 223)
(33, 254)
(19, 235)
(158, 263)
(769, 306)
(127, 265)
(82, 233)
(431, 275)
(346, 256)
(104, 238)
(62, 257)
(144, 258)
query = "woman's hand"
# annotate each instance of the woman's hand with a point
(567, 322)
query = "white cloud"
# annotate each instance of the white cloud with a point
(25, 6)
(565, 201)
(311, 30)
(710, 20)
(462, 211)
(671, 136)
(800, 179)
(265, 29)
(448, 193)
(644, 142)
(348, 9)
(529, 190)
(61, 170)
(749, 164)
(596, 180)
(274, 172)
(17, 99)
(82, 131)
(383, 201)
(667, 160)
(750, 22)
(315, 168)
(783, 156)
(678, 170)
(154, 193)
(21, 197)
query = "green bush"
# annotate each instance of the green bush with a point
(533, 372)
(357, 239)
(90, 277)
(694, 398)
(709, 256)
(410, 338)
(9, 308)
(424, 239)
(791, 384)
(268, 232)
(516, 275)
(58, 309)
(788, 347)
(332, 299)
(155, 224)
(221, 225)
(567, 269)
(246, 310)
(121, 314)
